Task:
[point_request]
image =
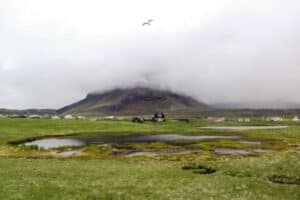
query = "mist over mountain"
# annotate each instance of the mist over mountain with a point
(258, 105)
(246, 53)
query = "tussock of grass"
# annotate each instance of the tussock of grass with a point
(199, 168)
(213, 144)
(282, 179)
(151, 145)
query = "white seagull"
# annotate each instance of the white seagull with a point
(148, 22)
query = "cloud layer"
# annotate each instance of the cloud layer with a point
(55, 52)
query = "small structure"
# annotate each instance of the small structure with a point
(274, 119)
(244, 120)
(159, 117)
(80, 117)
(34, 117)
(17, 116)
(296, 119)
(216, 119)
(209, 118)
(55, 117)
(69, 117)
(109, 117)
(247, 119)
(220, 119)
(138, 120)
(3, 116)
(46, 116)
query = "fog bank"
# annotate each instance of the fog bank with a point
(53, 53)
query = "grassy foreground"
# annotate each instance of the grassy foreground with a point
(236, 177)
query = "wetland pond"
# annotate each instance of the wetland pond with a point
(243, 128)
(182, 143)
(57, 142)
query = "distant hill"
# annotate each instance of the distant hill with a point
(146, 101)
(134, 101)
(28, 111)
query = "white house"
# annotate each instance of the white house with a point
(69, 117)
(81, 117)
(220, 119)
(216, 119)
(274, 119)
(34, 117)
(296, 119)
(244, 120)
(55, 117)
(247, 120)
(109, 117)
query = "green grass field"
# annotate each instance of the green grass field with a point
(28, 173)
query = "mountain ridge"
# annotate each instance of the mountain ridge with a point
(133, 101)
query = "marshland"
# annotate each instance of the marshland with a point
(118, 159)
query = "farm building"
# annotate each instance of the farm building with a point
(34, 117)
(110, 117)
(3, 116)
(216, 119)
(244, 120)
(55, 117)
(296, 119)
(69, 117)
(274, 119)
(80, 117)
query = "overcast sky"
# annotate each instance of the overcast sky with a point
(53, 52)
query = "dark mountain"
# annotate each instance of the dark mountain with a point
(134, 101)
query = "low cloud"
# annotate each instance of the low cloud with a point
(244, 54)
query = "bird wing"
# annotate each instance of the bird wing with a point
(148, 22)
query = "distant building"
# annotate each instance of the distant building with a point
(46, 116)
(34, 117)
(210, 118)
(55, 117)
(220, 119)
(80, 117)
(296, 119)
(17, 116)
(274, 119)
(216, 119)
(109, 117)
(244, 120)
(69, 117)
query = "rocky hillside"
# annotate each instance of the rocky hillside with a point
(134, 101)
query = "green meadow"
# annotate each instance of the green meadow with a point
(99, 173)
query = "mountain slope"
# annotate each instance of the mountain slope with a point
(134, 101)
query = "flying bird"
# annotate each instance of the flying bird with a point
(148, 22)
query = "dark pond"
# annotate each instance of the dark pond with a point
(47, 143)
